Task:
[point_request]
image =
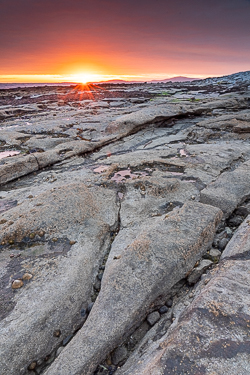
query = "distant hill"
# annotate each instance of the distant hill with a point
(175, 79)
(117, 81)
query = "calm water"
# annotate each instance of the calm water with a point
(21, 85)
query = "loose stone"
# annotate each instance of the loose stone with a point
(72, 242)
(83, 312)
(32, 366)
(163, 309)
(215, 253)
(90, 305)
(119, 355)
(153, 318)
(59, 350)
(67, 339)
(57, 333)
(223, 243)
(27, 276)
(17, 284)
(169, 303)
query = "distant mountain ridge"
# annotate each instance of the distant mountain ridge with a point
(173, 79)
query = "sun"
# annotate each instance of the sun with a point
(84, 77)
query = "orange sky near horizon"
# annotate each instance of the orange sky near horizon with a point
(54, 41)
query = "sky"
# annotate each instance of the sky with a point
(62, 40)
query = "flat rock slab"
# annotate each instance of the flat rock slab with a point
(143, 266)
(212, 335)
(59, 238)
(229, 190)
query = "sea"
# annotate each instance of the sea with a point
(23, 85)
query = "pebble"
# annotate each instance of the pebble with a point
(17, 284)
(54, 239)
(32, 235)
(27, 276)
(223, 243)
(59, 350)
(169, 303)
(186, 303)
(83, 312)
(153, 318)
(119, 355)
(67, 340)
(90, 305)
(72, 242)
(41, 233)
(57, 333)
(32, 366)
(235, 221)
(228, 231)
(191, 295)
(163, 309)
(100, 275)
(215, 253)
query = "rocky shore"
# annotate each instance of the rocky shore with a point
(125, 229)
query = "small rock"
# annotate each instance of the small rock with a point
(153, 318)
(41, 233)
(27, 276)
(97, 284)
(32, 235)
(100, 275)
(215, 254)
(163, 309)
(223, 243)
(72, 242)
(235, 221)
(198, 271)
(59, 350)
(119, 355)
(67, 339)
(169, 303)
(57, 333)
(83, 312)
(186, 303)
(90, 305)
(242, 211)
(17, 284)
(54, 239)
(32, 366)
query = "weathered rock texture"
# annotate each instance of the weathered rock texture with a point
(109, 208)
(212, 336)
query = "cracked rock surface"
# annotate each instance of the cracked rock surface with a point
(130, 202)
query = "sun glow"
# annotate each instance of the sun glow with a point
(85, 77)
